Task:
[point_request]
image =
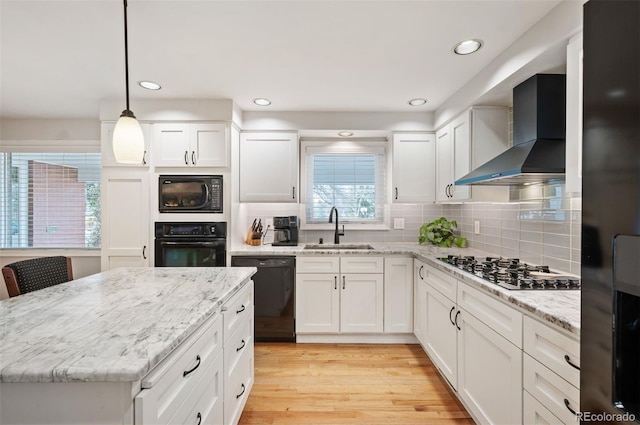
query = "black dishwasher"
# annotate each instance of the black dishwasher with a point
(274, 297)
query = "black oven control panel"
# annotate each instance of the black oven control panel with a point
(199, 230)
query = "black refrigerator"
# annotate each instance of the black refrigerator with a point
(610, 314)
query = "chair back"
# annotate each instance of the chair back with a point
(37, 273)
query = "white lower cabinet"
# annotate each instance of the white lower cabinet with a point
(339, 294)
(441, 342)
(419, 301)
(398, 294)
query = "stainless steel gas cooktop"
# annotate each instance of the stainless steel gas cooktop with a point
(510, 273)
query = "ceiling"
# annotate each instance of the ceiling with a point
(60, 59)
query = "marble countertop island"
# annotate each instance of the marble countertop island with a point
(111, 326)
(560, 307)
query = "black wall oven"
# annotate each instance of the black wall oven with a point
(191, 244)
(184, 193)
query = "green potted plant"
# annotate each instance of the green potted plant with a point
(440, 232)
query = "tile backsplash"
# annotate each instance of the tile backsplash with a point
(540, 225)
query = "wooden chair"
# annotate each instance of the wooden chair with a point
(37, 273)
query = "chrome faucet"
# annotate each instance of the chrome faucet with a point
(337, 234)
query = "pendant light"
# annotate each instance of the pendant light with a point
(128, 140)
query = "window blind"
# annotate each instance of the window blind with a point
(49, 200)
(352, 182)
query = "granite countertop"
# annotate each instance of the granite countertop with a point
(111, 326)
(561, 308)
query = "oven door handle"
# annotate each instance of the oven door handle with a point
(193, 243)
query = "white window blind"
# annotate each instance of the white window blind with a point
(352, 181)
(49, 200)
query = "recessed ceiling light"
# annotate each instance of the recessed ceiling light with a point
(261, 101)
(417, 101)
(345, 133)
(466, 47)
(149, 85)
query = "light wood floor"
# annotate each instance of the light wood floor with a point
(348, 384)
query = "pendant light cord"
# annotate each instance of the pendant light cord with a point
(126, 54)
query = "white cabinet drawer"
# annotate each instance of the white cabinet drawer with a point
(534, 413)
(167, 386)
(239, 343)
(552, 391)
(442, 282)
(319, 264)
(205, 404)
(498, 316)
(237, 387)
(361, 264)
(553, 349)
(236, 309)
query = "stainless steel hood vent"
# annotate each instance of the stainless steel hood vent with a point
(539, 126)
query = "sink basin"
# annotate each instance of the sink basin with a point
(341, 247)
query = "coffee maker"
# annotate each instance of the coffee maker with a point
(285, 231)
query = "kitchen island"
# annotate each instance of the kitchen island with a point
(80, 352)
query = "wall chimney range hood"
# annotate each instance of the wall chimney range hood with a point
(539, 127)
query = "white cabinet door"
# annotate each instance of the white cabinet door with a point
(317, 303)
(444, 170)
(108, 160)
(361, 303)
(171, 145)
(268, 167)
(440, 334)
(419, 301)
(414, 160)
(461, 156)
(398, 294)
(489, 373)
(209, 145)
(125, 218)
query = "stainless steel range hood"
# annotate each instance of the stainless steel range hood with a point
(539, 126)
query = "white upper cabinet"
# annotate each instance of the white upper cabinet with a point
(106, 136)
(573, 178)
(190, 145)
(269, 167)
(471, 139)
(414, 163)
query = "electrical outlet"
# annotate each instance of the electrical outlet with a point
(398, 223)
(476, 227)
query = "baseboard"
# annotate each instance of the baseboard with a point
(357, 338)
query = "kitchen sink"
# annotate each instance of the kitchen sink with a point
(338, 247)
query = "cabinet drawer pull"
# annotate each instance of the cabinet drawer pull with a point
(144, 158)
(193, 157)
(293, 192)
(566, 403)
(335, 282)
(456, 320)
(568, 360)
(144, 252)
(186, 372)
(242, 346)
(420, 272)
(242, 308)
(241, 392)
(396, 193)
(186, 157)
(343, 282)
(199, 418)
(451, 311)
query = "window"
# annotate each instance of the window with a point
(49, 200)
(347, 175)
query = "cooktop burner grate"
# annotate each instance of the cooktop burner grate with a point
(510, 273)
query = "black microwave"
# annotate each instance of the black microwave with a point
(184, 193)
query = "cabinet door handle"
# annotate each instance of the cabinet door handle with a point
(199, 418)
(242, 308)
(144, 252)
(144, 158)
(420, 270)
(456, 319)
(566, 403)
(293, 192)
(396, 193)
(186, 372)
(241, 392)
(242, 346)
(568, 360)
(335, 282)
(186, 157)
(451, 311)
(343, 282)
(446, 191)
(193, 157)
